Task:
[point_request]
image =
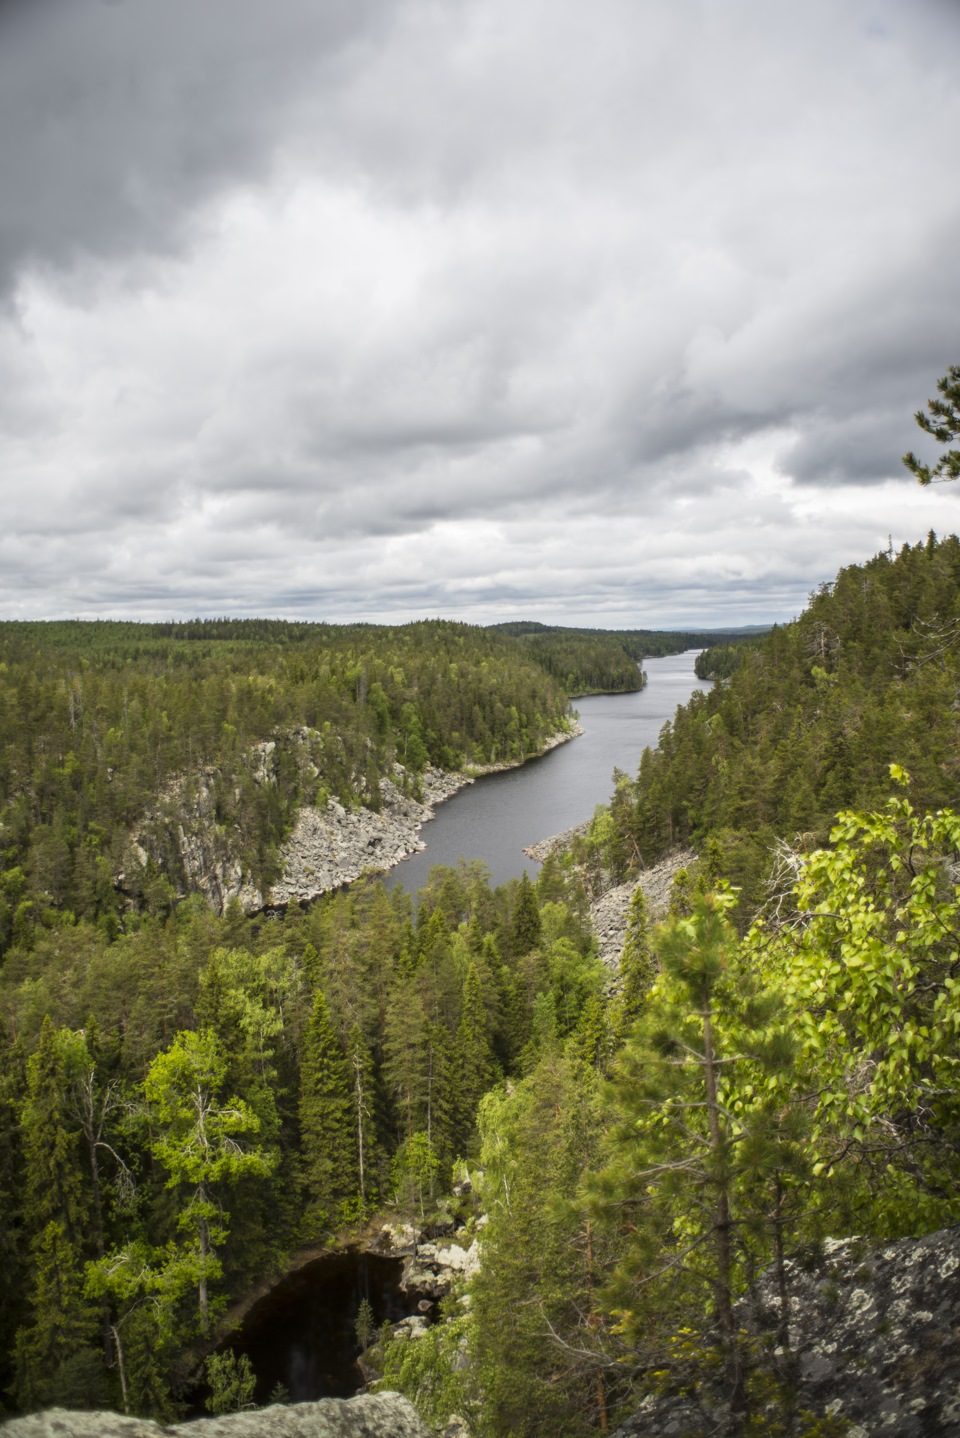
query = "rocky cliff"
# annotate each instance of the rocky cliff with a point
(874, 1346)
(328, 846)
(381, 1415)
(611, 910)
(333, 845)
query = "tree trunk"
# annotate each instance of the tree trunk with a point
(723, 1237)
(204, 1298)
(121, 1369)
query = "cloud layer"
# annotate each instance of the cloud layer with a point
(371, 310)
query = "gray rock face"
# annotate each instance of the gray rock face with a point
(876, 1340)
(333, 846)
(377, 1415)
(182, 837)
(611, 910)
(328, 846)
(431, 1267)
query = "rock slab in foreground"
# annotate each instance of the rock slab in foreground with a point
(376, 1415)
(876, 1336)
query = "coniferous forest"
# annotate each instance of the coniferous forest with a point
(186, 1097)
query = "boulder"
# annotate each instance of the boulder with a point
(376, 1415)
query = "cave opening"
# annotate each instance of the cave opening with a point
(301, 1336)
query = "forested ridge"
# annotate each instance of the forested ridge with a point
(806, 720)
(185, 1098)
(604, 661)
(96, 719)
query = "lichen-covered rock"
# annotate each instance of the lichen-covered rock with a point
(874, 1338)
(332, 846)
(432, 1269)
(611, 911)
(378, 1415)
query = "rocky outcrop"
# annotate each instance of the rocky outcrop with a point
(180, 835)
(379, 1415)
(329, 845)
(874, 1344)
(332, 846)
(611, 911)
(431, 1266)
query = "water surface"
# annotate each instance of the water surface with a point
(497, 817)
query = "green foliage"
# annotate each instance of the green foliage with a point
(809, 722)
(638, 964)
(429, 1370)
(536, 1346)
(722, 660)
(414, 1170)
(198, 1139)
(707, 1145)
(867, 966)
(943, 422)
(526, 918)
(364, 1326)
(232, 1382)
(329, 1152)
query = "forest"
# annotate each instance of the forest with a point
(187, 1097)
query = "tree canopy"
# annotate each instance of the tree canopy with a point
(943, 422)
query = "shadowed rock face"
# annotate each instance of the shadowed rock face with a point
(380, 1415)
(875, 1338)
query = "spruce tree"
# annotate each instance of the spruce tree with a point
(56, 1215)
(327, 1133)
(525, 929)
(473, 1058)
(441, 1098)
(406, 1068)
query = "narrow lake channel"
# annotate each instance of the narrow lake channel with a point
(497, 817)
(301, 1333)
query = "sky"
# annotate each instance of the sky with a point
(611, 314)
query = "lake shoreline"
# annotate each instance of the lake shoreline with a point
(333, 846)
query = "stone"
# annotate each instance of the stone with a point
(432, 1268)
(375, 1415)
(875, 1336)
(611, 910)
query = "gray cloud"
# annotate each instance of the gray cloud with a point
(116, 120)
(374, 309)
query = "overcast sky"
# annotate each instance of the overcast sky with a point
(611, 313)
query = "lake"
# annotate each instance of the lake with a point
(501, 814)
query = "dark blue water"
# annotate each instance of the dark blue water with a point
(500, 815)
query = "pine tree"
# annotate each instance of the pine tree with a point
(944, 424)
(705, 1136)
(327, 1134)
